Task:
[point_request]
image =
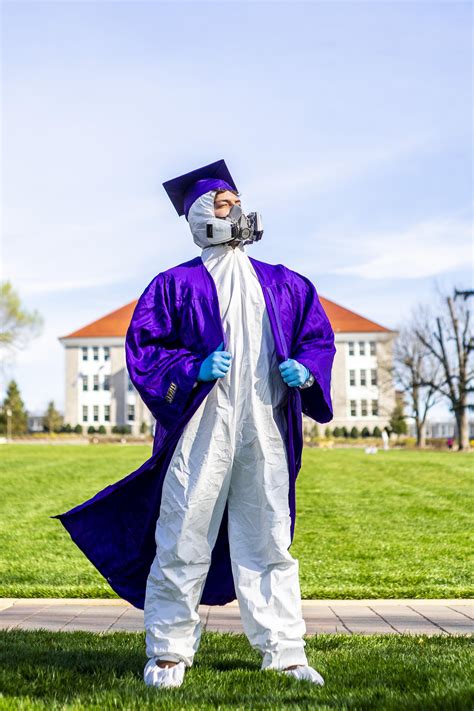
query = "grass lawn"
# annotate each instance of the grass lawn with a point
(76, 670)
(394, 524)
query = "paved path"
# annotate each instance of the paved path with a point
(448, 617)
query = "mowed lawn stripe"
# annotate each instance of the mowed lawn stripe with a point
(391, 525)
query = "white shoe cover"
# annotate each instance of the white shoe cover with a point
(154, 675)
(305, 672)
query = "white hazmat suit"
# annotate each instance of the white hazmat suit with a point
(231, 450)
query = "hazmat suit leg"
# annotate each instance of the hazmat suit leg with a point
(194, 496)
(266, 576)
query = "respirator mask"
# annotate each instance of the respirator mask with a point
(236, 226)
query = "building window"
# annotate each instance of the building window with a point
(130, 384)
(353, 408)
(106, 382)
(363, 377)
(85, 353)
(85, 383)
(375, 407)
(95, 385)
(106, 353)
(352, 377)
(96, 413)
(373, 376)
(363, 408)
(373, 348)
(84, 413)
(107, 413)
(362, 347)
(95, 353)
(130, 412)
(351, 348)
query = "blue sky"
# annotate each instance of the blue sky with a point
(348, 125)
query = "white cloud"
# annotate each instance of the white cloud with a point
(332, 170)
(422, 250)
(66, 256)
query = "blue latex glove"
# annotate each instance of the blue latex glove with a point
(293, 373)
(215, 365)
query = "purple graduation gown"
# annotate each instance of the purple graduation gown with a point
(175, 325)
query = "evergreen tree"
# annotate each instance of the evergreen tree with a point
(52, 419)
(398, 423)
(365, 432)
(354, 432)
(19, 416)
(377, 432)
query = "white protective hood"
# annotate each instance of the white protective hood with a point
(200, 214)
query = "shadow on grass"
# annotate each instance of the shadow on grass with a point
(52, 670)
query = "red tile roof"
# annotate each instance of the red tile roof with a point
(345, 321)
(115, 324)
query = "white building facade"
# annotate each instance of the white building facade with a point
(99, 393)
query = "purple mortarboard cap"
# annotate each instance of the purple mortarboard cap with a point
(185, 189)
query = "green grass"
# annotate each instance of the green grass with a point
(77, 670)
(391, 525)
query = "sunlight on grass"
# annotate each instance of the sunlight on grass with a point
(391, 525)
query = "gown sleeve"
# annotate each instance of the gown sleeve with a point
(160, 368)
(314, 347)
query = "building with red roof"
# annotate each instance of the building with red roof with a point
(99, 390)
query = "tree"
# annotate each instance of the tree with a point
(398, 423)
(19, 416)
(52, 419)
(17, 325)
(449, 339)
(413, 365)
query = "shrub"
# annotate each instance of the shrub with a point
(337, 432)
(91, 429)
(377, 432)
(122, 429)
(102, 430)
(78, 429)
(354, 433)
(327, 432)
(344, 431)
(365, 432)
(143, 428)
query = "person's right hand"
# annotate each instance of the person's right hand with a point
(215, 365)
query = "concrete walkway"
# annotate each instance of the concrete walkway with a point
(445, 617)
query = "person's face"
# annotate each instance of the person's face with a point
(223, 203)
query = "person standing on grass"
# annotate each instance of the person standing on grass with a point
(226, 351)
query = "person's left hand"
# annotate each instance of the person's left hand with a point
(293, 373)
